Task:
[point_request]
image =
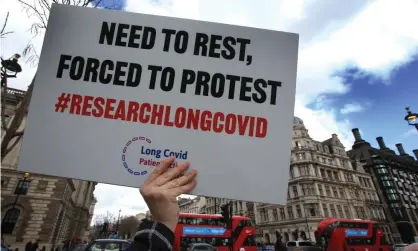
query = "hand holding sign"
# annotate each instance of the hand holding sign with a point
(161, 189)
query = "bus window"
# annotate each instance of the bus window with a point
(249, 241)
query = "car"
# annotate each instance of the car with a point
(5, 248)
(302, 246)
(400, 246)
(108, 245)
(79, 247)
(201, 247)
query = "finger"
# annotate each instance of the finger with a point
(158, 171)
(183, 189)
(180, 181)
(171, 174)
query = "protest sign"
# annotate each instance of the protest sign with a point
(116, 92)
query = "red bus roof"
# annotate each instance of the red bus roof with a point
(211, 216)
(328, 221)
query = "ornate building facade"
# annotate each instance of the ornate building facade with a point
(194, 206)
(323, 182)
(42, 207)
(213, 206)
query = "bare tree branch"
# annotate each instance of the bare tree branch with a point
(39, 9)
(3, 33)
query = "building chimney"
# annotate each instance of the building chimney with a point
(415, 151)
(381, 143)
(356, 134)
(400, 149)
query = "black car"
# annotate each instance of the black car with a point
(200, 247)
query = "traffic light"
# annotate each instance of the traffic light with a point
(105, 226)
(227, 215)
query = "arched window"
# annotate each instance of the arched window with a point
(9, 220)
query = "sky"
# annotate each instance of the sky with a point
(357, 65)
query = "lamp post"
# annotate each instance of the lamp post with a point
(411, 118)
(19, 191)
(9, 68)
(117, 223)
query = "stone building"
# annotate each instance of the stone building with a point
(194, 206)
(396, 177)
(41, 207)
(213, 206)
(323, 182)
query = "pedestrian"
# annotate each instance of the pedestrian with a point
(28, 246)
(160, 191)
(35, 246)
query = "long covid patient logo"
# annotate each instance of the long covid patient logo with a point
(138, 155)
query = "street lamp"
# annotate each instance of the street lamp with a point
(21, 189)
(9, 68)
(411, 118)
(117, 223)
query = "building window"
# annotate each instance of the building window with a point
(297, 143)
(325, 207)
(292, 174)
(329, 175)
(321, 191)
(300, 156)
(382, 170)
(308, 189)
(322, 173)
(9, 221)
(263, 215)
(275, 215)
(336, 176)
(315, 170)
(342, 194)
(295, 191)
(290, 212)
(393, 197)
(42, 185)
(22, 187)
(347, 212)
(340, 211)
(334, 191)
(282, 214)
(328, 191)
(311, 210)
(298, 211)
(303, 170)
(333, 212)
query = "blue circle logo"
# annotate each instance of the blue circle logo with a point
(128, 168)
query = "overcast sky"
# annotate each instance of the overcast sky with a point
(375, 37)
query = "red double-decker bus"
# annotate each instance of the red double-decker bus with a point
(351, 235)
(206, 228)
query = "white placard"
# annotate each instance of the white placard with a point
(117, 92)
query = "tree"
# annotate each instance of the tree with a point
(100, 221)
(128, 226)
(39, 9)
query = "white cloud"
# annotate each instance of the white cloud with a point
(410, 132)
(350, 108)
(375, 36)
